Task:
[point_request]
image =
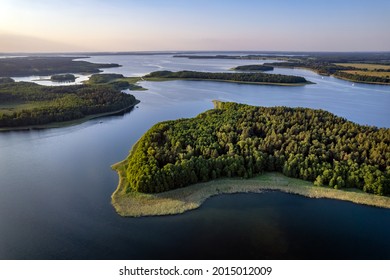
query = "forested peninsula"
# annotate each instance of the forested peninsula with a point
(250, 78)
(25, 104)
(242, 141)
(48, 65)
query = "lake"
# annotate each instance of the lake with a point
(56, 184)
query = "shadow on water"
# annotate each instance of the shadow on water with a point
(271, 225)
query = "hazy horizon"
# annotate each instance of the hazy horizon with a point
(173, 25)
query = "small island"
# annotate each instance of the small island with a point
(26, 105)
(117, 81)
(63, 78)
(245, 78)
(176, 165)
(253, 67)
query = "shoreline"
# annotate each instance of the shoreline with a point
(192, 197)
(67, 123)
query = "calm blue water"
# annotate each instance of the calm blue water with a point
(55, 184)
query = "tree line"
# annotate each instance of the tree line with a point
(236, 140)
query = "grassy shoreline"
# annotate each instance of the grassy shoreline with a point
(67, 123)
(181, 200)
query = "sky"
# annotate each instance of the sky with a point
(175, 25)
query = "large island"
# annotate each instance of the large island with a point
(245, 78)
(178, 164)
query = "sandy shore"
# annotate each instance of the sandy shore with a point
(181, 200)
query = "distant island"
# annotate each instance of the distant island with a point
(47, 65)
(26, 105)
(253, 67)
(63, 78)
(371, 68)
(219, 56)
(242, 141)
(248, 78)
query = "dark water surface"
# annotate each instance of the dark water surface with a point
(55, 184)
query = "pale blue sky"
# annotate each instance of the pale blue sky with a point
(136, 25)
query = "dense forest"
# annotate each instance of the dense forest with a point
(23, 103)
(63, 78)
(233, 77)
(236, 140)
(253, 67)
(46, 65)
